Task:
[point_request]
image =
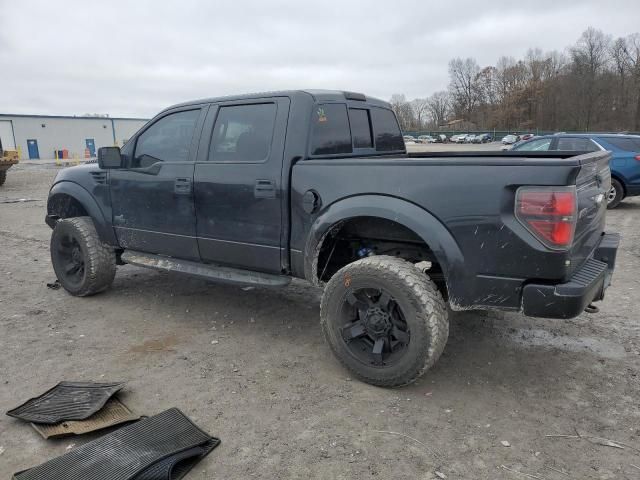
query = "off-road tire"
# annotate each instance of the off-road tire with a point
(619, 189)
(3, 177)
(422, 305)
(99, 258)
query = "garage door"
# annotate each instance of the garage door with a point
(6, 134)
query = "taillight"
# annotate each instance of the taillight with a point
(637, 157)
(549, 213)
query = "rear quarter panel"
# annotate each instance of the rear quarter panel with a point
(472, 198)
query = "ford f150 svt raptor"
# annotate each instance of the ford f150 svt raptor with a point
(257, 189)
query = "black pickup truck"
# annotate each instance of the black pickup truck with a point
(257, 189)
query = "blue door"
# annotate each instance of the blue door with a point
(91, 145)
(32, 145)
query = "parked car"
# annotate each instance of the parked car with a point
(625, 160)
(425, 139)
(460, 138)
(441, 138)
(509, 139)
(469, 138)
(259, 189)
(483, 138)
(526, 136)
(511, 147)
(409, 139)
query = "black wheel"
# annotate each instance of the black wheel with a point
(83, 264)
(385, 320)
(615, 195)
(3, 177)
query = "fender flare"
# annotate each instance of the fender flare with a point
(84, 198)
(411, 216)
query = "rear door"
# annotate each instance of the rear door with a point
(238, 185)
(152, 198)
(625, 163)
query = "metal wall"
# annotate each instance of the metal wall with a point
(60, 133)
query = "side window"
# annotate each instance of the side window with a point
(360, 128)
(387, 130)
(331, 134)
(628, 144)
(539, 145)
(576, 144)
(243, 133)
(167, 140)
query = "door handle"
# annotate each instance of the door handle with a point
(182, 186)
(264, 189)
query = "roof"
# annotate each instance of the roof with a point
(72, 117)
(316, 95)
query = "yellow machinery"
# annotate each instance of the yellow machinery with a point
(8, 158)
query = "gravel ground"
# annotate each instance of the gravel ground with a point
(250, 366)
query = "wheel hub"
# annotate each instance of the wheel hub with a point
(377, 322)
(374, 328)
(76, 255)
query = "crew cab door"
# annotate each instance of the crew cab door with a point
(238, 187)
(152, 197)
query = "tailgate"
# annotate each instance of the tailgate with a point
(592, 184)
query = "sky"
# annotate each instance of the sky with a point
(134, 58)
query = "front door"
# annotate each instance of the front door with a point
(238, 184)
(32, 145)
(152, 198)
(91, 146)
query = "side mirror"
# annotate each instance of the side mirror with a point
(109, 157)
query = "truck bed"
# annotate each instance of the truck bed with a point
(470, 197)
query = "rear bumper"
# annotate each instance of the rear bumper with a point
(568, 300)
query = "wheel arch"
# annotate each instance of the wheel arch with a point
(622, 182)
(68, 199)
(410, 216)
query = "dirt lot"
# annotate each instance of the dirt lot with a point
(250, 366)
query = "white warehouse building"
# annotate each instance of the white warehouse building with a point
(45, 136)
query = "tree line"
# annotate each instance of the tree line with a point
(593, 85)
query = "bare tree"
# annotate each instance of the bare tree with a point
(589, 58)
(420, 108)
(620, 64)
(403, 111)
(594, 86)
(438, 105)
(633, 62)
(464, 85)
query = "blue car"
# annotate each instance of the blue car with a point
(625, 157)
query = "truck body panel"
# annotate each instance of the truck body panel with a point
(250, 182)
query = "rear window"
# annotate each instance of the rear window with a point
(331, 134)
(360, 128)
(387, 131)
(624, 143)
(576, 144)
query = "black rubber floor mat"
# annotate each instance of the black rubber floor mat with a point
(163, 447)
(66, 401)
(113, 413)
(177, 466)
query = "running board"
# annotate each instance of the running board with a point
(209, 271)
